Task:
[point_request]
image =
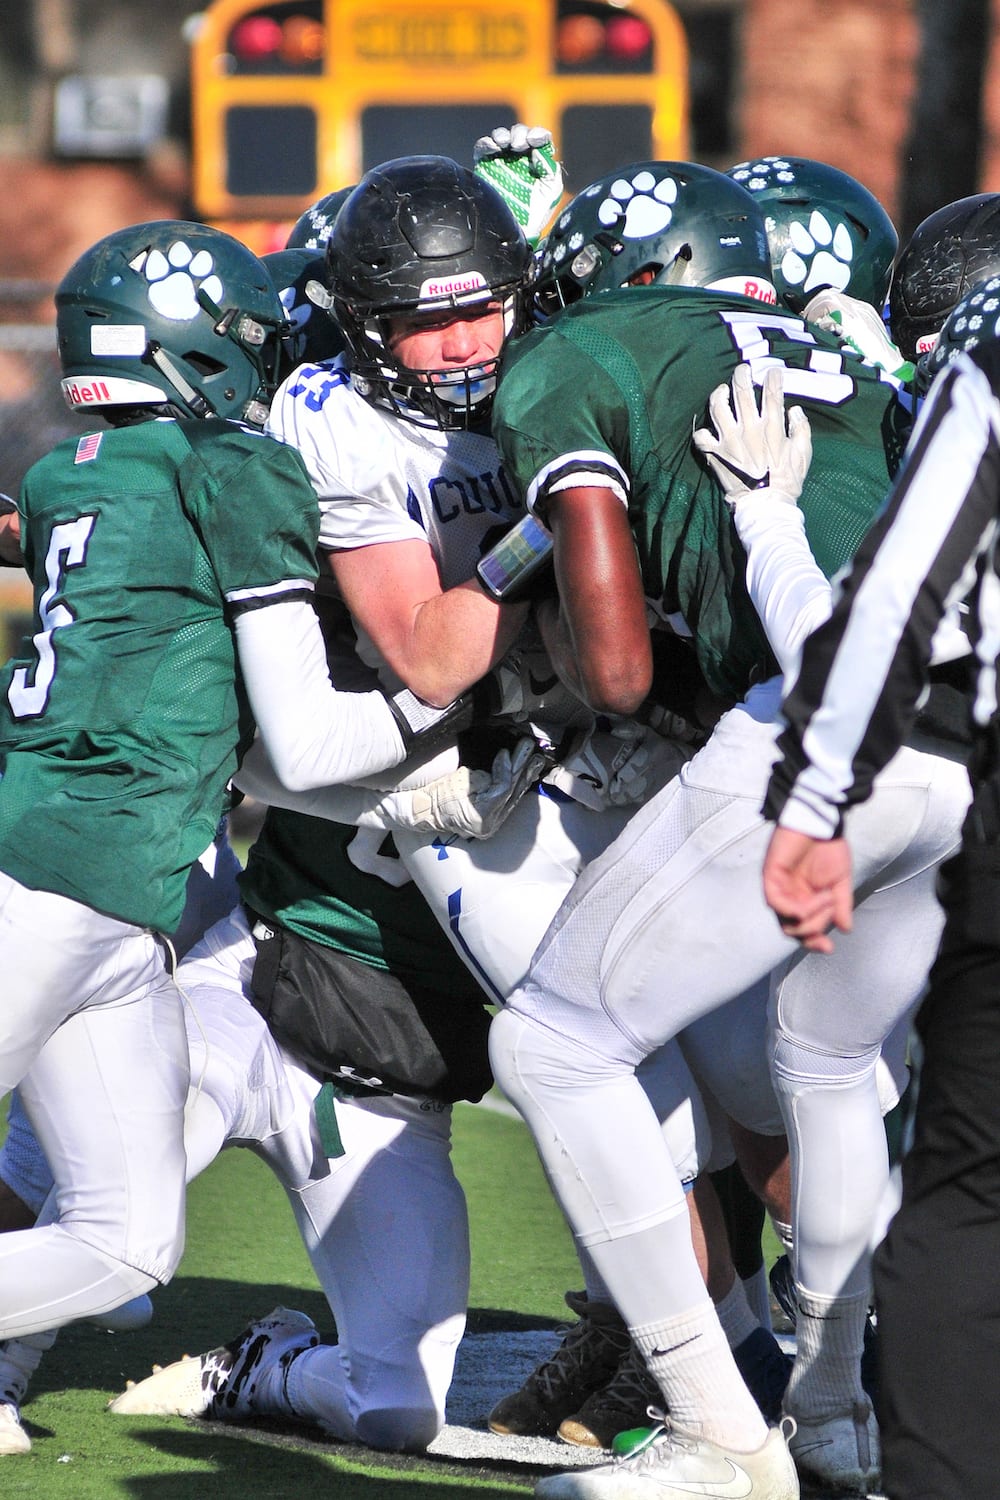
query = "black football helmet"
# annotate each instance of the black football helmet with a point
(948, 254)
(312, 229)
(674, 223)
(312, 335)
(824, 229)
(423, 234)
(169, 317)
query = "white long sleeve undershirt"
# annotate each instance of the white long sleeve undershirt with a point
(314, 734)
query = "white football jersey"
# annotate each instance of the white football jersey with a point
(380, 479)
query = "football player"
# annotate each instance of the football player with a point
(152, 579)
(349, 861)
(825, 230)
(403, 463)
(594, 418)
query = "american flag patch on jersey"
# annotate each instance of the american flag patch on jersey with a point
(87, 448)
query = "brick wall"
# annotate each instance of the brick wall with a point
(833, 79)
(990, 164)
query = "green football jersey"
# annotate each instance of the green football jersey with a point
(614, 385)
(121, 723)
(347, 889)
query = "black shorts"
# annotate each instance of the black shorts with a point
(365, 1029)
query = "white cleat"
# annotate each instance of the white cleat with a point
(842, 1452)
(219, 1385)
(672, 1465)
(13, 1438)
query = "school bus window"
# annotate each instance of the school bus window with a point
(591, 37)
(597, 138)
(389, 130)
(271, 150)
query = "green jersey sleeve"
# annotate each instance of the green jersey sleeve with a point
(254, 507)
(558, 413)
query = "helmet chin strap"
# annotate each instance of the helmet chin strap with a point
(194, 400)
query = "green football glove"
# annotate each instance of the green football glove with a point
(858, 325)
(521, 164)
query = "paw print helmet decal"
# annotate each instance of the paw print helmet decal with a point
(169, 315)
(312, 335)
(974, 320)
(825, 229)
(424, 234)
(948, 254)
(313, 228)
(668, 222)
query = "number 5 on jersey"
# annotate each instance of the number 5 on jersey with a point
(67, 549)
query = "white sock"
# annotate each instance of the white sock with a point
(690, 1360)
(829, 1337)
(737, 1319)
(316, 1387)
(19, 1359)
(311, 1387)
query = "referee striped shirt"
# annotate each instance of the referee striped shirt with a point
(864, 670)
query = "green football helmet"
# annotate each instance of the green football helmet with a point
(823, 227)
(669, 222)
(312, 336)
(173, 317)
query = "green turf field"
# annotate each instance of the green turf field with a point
(243, 1257)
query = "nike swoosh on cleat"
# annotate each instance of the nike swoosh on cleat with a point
(739, 1486)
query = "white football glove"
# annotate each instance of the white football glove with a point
(469, 804)
(753, 449)
(521, 164)
(858, 325)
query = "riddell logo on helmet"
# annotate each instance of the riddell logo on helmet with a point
(86, 393)
(454, 286)
(926, 342)
(762, 290)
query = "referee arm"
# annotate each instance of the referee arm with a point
(862, 672)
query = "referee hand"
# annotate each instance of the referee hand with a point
(807, 884)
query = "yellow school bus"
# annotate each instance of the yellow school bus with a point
(295, 98)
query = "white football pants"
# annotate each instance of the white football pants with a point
(91, 1028)
(496, 898)
(668, 924)
(385, 1225)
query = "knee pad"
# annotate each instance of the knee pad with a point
(800, 1069)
